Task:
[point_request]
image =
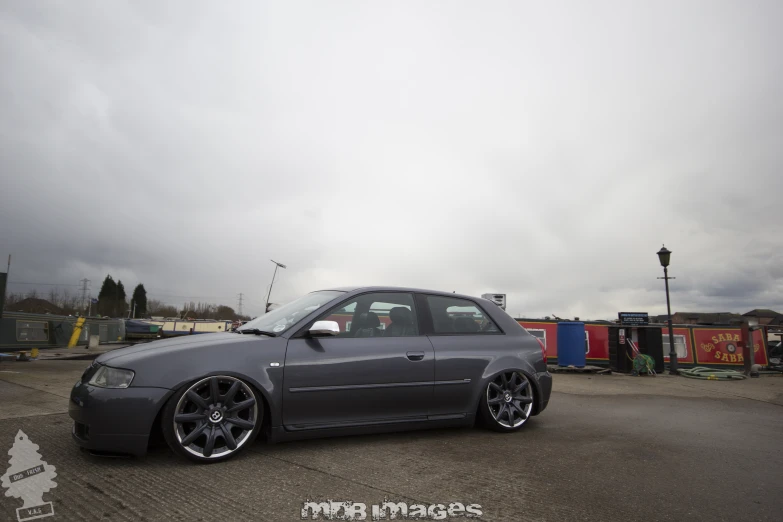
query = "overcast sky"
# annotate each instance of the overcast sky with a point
(541, 149)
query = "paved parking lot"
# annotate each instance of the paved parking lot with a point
(607, 448)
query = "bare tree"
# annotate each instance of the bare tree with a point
(12, 298)
(167, 311)
(54, 296)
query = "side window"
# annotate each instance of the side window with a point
(343, 316)
(32, 331)
(541, 334)
(680, 348)
(459, 316)
(376, 315)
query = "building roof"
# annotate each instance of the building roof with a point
(700, 317)
(713, 317)
(35, 306)
(763, 312)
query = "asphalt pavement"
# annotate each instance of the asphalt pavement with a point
(608, 448)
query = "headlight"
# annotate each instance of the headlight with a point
(107, 377)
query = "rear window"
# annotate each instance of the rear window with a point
(454, 316)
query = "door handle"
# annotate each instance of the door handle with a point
(415, 356)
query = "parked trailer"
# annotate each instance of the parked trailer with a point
(20, 330)
(174, 328)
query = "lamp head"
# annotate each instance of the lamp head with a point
(664, 254)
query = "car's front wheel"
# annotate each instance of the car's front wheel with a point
(507, 401)
(212, 419)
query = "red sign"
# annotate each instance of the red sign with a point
(722, 346)
(622, 335)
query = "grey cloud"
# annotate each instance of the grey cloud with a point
(539, 150)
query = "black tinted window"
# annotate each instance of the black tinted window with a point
(459, 316)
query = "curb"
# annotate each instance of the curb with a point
(581, 369)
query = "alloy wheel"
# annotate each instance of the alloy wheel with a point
(510, 399)
(215, 416)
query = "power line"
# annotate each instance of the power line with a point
(39, 284)
(240, 303)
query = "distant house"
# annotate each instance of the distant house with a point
(765, 316)
(699, 318)
(34, 305)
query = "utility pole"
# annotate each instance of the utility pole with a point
(84, 290)
(4, 284)
(239, 312)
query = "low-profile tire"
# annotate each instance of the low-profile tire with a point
(212, 419)
(507, 401)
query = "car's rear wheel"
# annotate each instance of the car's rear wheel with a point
(507, 402)
(212, 419)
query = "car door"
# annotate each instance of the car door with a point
(375, 371)
(466, 340)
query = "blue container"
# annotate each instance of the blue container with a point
(571, 344)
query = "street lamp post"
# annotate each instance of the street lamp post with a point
(281, 265)
(752, 324)
(664, 255)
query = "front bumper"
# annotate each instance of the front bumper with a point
(545, 390)
(114, 420)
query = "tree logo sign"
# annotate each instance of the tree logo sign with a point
(28, 478)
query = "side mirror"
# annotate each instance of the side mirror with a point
(324, 328)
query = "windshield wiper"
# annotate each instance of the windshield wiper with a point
(257, 332)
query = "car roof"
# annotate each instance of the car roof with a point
(363, 289)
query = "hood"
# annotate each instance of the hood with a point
(124, 357)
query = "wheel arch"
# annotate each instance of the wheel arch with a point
(267, 421)
(519, 366)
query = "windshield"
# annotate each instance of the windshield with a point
(281, 319)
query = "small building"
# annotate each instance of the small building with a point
(766, 316)
(20, 330)
(698, 318)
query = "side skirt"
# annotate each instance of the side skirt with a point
(287, 433)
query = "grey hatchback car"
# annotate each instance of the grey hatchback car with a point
(334, 362)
